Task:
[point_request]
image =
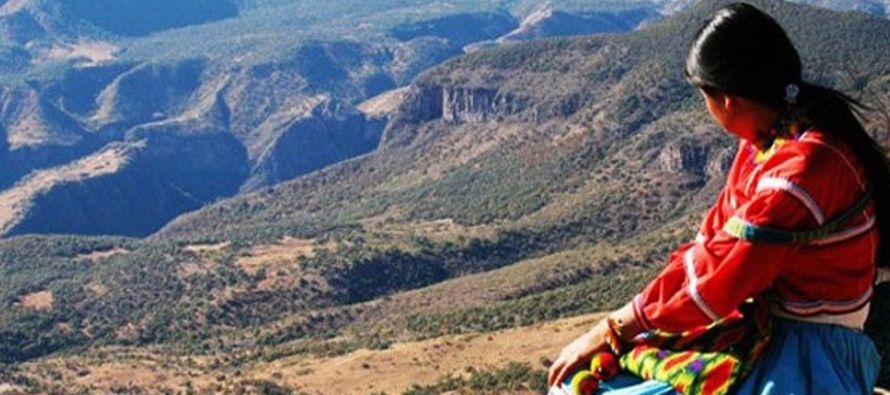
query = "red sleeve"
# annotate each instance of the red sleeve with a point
(708, 279)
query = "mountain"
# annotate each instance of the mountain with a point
(270, 89)
(513, 185)
(877, 7)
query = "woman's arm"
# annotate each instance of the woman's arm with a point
(702, 282)
(622, 325)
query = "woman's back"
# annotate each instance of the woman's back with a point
(822, 177)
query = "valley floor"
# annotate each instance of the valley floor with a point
(397, 368)
(393, 370)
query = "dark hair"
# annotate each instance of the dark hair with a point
(743, 51)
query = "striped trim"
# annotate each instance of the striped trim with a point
(801, 194)
(847, 234)
(826, 306)
(742, 229)
(692, 288)
(745, 230)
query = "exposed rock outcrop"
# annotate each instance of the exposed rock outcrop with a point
(685, 158)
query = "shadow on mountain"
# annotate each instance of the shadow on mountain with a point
(142, 17)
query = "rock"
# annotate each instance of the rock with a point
(684, 158)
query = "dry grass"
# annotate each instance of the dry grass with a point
(396, 369)
(120, 367)
(384, 104)
(85, 53)
(205, 258)
(282, 253)
(206, 248)
(393, 370)
(440, 231)
(42, 300)
(6, 388)
(98, 289)
(97, 256)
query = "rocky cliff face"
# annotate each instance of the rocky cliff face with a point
(268, 126)
(290, 106)
(427, 102)
(602, 164)
(685, 157)
(474, 105)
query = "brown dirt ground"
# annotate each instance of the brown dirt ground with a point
(42, 300)
(396, 369)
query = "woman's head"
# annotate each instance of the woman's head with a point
(749, 71)
(743, 51)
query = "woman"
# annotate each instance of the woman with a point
(804, 217)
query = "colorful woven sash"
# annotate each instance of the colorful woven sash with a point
(746, 231)
(712, 359)
(707, 361)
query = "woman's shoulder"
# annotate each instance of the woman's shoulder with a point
(819, 169)
(818, 154)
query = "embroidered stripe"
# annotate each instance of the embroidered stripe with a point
(742, 229)
(796, 191)
(826, 306)
(847, 234)
(692, 288)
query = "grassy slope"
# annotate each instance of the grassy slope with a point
(542, 219)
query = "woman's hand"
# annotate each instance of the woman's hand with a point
(582, 350)
(578, 353)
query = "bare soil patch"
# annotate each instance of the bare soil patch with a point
(42, 300)
(396, 369)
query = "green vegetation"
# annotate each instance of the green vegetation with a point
(513, 378)
(561, 195)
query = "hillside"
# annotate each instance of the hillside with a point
(275, 84)
(281, 79)
(876, 7)
(513, 185)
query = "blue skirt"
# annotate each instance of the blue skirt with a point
(803, 358)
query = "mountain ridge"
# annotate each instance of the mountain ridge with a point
(514, 185)
(290, 100)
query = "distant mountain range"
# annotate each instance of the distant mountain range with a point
(877, 7)
(516, 184)
(213, 98)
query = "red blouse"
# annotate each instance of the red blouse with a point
(798, 184)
